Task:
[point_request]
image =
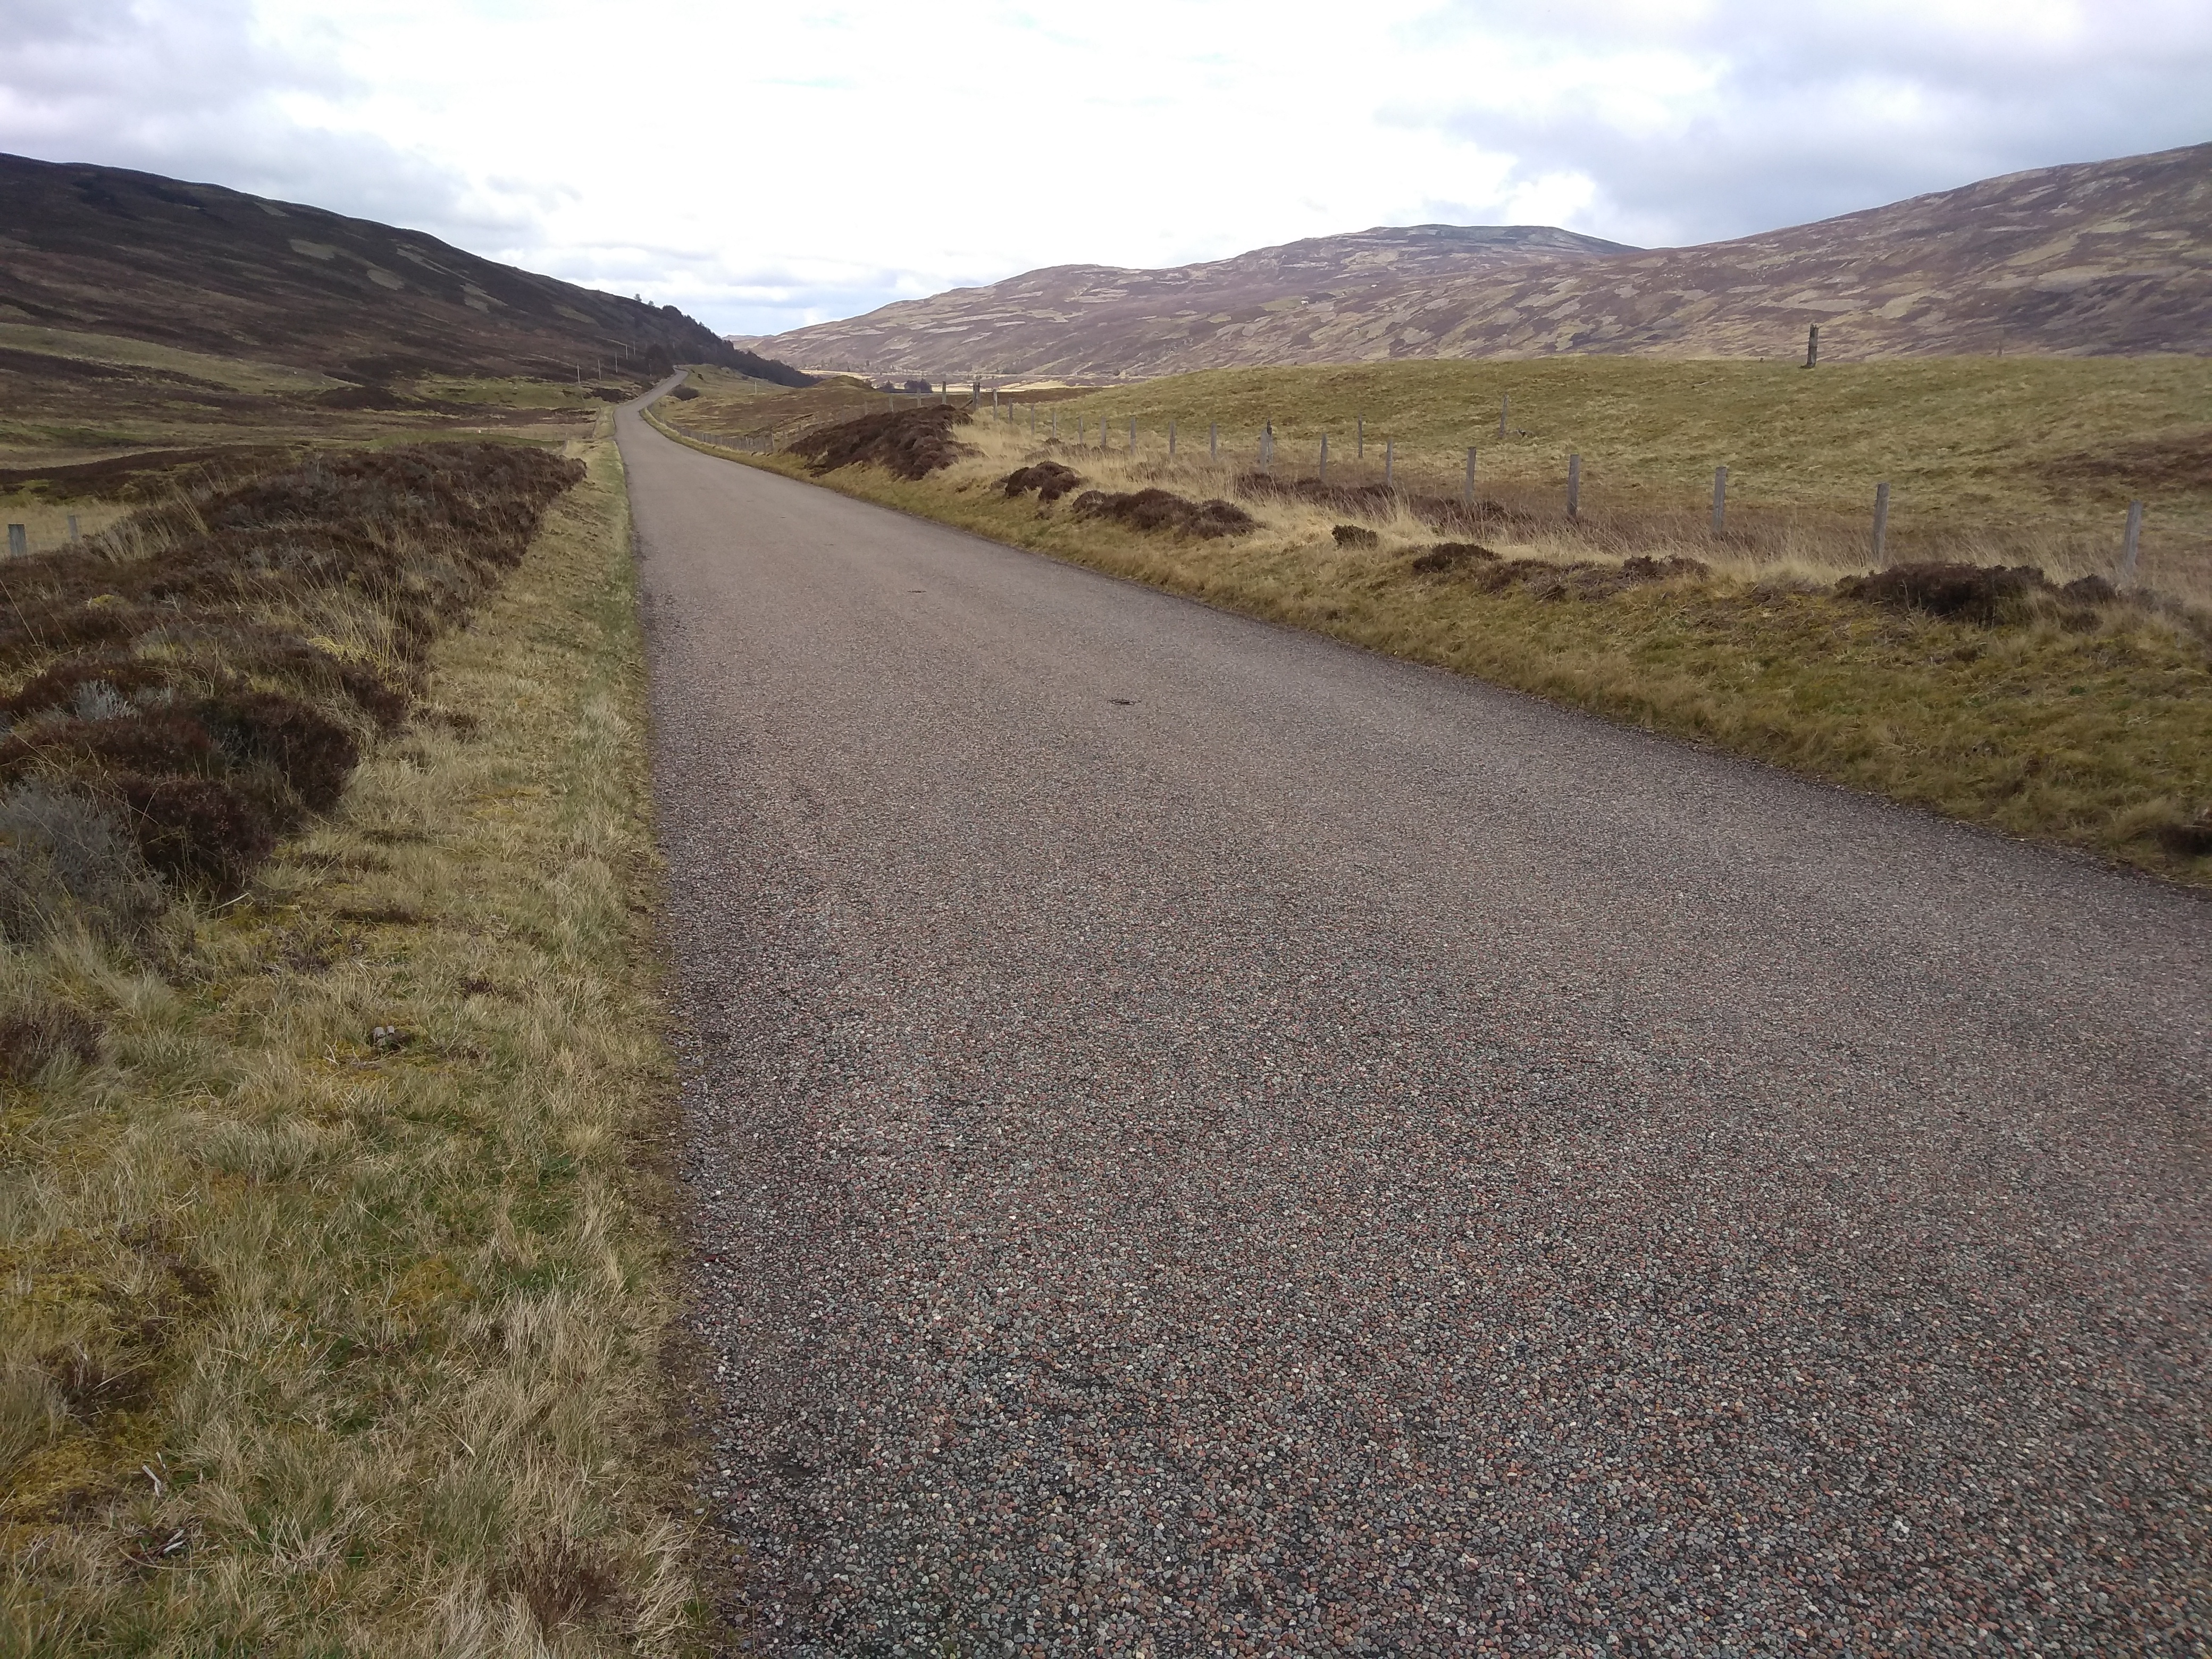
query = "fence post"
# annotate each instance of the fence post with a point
(2128, 548)
(1171, 440)
(1574, 486)
(1881, 520)
(1720, 498)
(1467, 487)
(72, 521)
(1213, 441)
(1504, 406)
(1324, 458)
(1133, 437)
(18, 542)
(1268, 448)
(1359, 426)
(1389, 451)
(1813, 346)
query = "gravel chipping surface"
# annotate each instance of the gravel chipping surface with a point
(1205, 1141)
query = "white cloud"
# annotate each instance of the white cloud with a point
(763, 166)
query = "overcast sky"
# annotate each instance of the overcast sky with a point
(763, 165)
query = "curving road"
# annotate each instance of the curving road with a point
(1206, 1141)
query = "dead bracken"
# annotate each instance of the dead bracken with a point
(1163, 510)
(907, 443)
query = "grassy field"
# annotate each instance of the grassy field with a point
(1998, 459)
(2087, 724)
(334, 1294)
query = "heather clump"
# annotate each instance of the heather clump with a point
(192, 684)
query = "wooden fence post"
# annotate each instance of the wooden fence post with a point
(1171, 440)
(1574, 486)
(1213, 441)
(1389, 450)
(1322, 476)
(1881, 520)
(1813, 346)
(2128, 548)
(1504, 407)
(1360, 425)
(18, 541)
(1467, 486)
(72, 521)
(1720, 498)
(1133, 437)
(1268, 448)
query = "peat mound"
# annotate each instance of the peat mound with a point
(1989, 595)
(1576, 580)
(1450, 556)
(1164, 510)
(1354, 535)
(907, 443)
(1048, 478)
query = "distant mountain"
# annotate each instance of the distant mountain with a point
(106, 250)
(1102, 319)
(2100, 258)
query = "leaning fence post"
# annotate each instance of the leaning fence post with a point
(1323, 474)
(1720, 498)
(1467, 486)
(1881, 520)
(18, 542)
(1574, 486)
(2128, 548)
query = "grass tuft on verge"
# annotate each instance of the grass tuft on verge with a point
(331, 1297)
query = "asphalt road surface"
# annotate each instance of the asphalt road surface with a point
(1207, 1141)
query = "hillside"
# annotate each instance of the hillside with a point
(2101, 258)
(1086, 320)
(103, 250)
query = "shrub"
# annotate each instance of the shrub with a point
(314, 754)
(142, 740)
(65, 856)
(198, 832)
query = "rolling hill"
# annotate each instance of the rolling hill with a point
(107, 252)
(2101, 258)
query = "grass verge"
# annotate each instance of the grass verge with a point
(2090, 727)
(331, 1298)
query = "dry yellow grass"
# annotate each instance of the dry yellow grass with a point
(319, 1342)
(2094, 733)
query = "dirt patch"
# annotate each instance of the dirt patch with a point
(1163, 510)
(907, 443)
(2179, 461)
(1578, 579)
(1048, 478)
(1352, 535)
(1989, 594)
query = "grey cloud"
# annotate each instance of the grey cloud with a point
(1824, 109)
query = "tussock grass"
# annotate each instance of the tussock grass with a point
(2087, 725)
(330, 1297)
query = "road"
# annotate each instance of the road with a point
(1208, 1141)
